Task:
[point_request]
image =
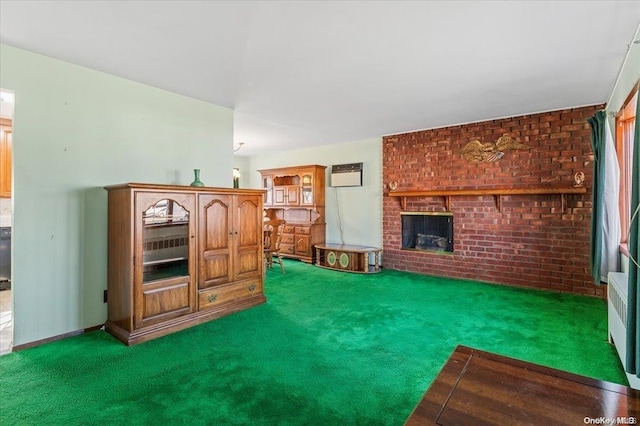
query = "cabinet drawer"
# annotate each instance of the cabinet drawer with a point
(289, 229)
(228, 293)
(302, 230)
(287, 248)
(286, 239)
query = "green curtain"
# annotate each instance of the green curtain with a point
(597, 123)
(633, 295)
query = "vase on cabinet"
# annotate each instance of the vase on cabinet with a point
(196, 180)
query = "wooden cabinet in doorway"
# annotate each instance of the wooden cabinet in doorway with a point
(297, 195)
(179, 256)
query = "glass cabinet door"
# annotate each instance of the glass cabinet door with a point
(164, 257)
(267, 183)
(307, 190)
(165, 241)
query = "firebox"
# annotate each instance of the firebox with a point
(427, 231)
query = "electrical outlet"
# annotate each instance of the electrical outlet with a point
(104, 296)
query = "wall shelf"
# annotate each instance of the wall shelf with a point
(496, 192)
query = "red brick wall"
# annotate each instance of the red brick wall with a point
(531, 242)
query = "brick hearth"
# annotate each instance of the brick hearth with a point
(530, 242)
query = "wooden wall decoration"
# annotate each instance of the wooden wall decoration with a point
(487, 152)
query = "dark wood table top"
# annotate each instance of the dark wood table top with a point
(347, 247)
(480, 388)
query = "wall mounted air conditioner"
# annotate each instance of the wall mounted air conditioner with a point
(346, 174)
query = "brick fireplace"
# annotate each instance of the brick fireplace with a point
(527, 240)
(427, 231)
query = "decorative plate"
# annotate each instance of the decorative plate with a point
(344, 260)
(331, 258)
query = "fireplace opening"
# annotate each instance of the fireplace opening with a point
(427, 231)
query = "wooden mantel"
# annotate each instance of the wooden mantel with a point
(496, 192)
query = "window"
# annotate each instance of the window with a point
(625, 126)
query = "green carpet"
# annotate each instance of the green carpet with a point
(328, 348)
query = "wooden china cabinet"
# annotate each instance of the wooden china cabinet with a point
(180, 256)
(297, 195)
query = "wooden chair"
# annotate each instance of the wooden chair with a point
(272, 235)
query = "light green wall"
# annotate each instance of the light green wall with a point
(355, 210)
(76, 130)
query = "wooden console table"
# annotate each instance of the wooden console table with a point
(343, 257)
(481, 388)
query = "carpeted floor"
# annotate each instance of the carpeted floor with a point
(327, 348)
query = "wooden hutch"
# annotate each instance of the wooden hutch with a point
(180, 256)
(297, 195)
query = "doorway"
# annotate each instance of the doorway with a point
(6, 218)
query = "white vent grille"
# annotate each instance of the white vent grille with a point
(617, 318)
(618, 304)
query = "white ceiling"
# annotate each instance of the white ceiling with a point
(305, 73)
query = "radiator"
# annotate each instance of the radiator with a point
(165, 243)
(617, 319)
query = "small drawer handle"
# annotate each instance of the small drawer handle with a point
(212, 297)
(252, 287)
